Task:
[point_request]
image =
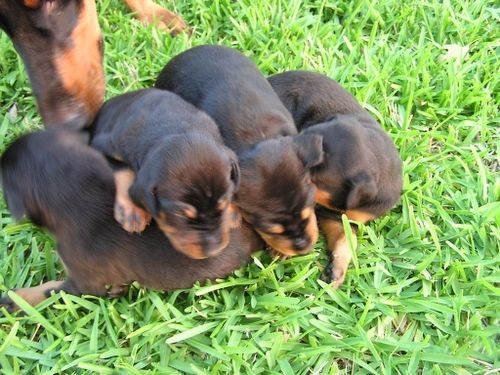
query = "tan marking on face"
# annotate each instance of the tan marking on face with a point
(190, 212)
(33, 4)
(36, 294)
(339, 248)
(281, 245)
(276, 229)
(189, 244)
(285, 245)
(323, 198)
(222, 204)
(80, 66)
(359, 216)
(306, 212)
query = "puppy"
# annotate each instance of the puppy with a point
(361, 172)
(276, 194)
(60, 183)
(185, 176)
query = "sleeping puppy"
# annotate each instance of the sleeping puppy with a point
(57, 181)
(177, 169)
(276, 194)
(360, 175)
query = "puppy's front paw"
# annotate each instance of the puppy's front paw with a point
(334, 274)
(275, 253)
(8, 304)
(114, 291)
(132, 218)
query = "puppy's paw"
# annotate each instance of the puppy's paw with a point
(132, 218)
(114, 291)
(276, 254)
(7, 303)
(334, 274)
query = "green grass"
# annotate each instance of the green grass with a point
(424, 295)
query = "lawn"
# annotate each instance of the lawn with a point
(422, 295)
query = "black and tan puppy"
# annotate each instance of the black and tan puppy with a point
(276, 194)
(183, 176)
(361, 173)
(60, 183)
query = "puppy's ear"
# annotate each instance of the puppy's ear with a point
(309, 149)
(235, 170)
(363, 190)
(144, 197)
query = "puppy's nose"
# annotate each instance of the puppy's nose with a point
(301, 243)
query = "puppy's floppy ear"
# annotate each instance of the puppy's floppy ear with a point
(363, 190)
(309, 149)
(144, 196)
(235, 170)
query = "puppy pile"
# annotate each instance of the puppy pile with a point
(184, 162)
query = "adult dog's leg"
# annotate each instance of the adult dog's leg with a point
(149, 12)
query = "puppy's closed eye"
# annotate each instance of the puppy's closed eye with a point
(178, 209)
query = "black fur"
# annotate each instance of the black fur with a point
(180, 163)
(54, 179)
(253, 122)
(361, 168)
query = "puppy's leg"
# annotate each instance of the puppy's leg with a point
(340, 255)
(37, 294)
(114, 291)
(337, 244)
(131, 217)
(149, 12)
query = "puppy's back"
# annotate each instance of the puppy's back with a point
(230, 88)
(313, 98)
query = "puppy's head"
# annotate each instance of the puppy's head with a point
(42, 173)
(188, 185)
(276, 194)
(361, 171)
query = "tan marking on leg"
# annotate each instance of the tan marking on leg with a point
(149, 13)
(323, 198)
(36, 294)
(312, 228)
(234, 215)
(80, 65)
(131, 217)
(340, 253)
(359, 216)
